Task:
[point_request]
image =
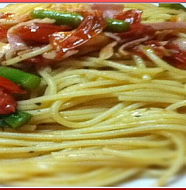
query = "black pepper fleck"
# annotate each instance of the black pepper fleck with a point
(38, 104)
(31, 151)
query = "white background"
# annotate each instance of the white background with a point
(179, 182)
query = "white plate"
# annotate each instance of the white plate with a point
(144, 182)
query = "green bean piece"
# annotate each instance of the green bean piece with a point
(74, 20)
(17, 120)
(115, 25)
(65, 18)
(2, 123)
(26, 80)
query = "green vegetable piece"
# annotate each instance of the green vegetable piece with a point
(69, 19)
(17, 120)
(176, 6)
(26, 80)
(75, 19)
(115, 25)
(3, 116)
(2, 123)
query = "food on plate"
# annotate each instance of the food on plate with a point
(92, 94)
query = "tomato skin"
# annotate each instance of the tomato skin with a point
(10, 86)
(91, 26)
(177, 57)
(132, 16)
(137, 31)
(178, 60)
(39, 32)
(7, 103)
(3, 32)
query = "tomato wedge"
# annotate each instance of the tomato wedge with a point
(39, 32)
(7, 103)
(177, 57)
(3, 32)
(137, 31)
(91, 26)
(10, 86)
(132, 16)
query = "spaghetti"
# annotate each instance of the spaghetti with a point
(100, 118)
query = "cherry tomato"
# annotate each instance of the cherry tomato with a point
(177, 57)
(137, 31)
(7, 103)
(178, 60)
(3, 32)
(132, 16)
(39, 32)
(10, 86)
(91, 26)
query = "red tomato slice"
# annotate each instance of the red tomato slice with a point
(3, 32)
(10, 86)
(177, 57)
(7, 103)
(178, 60)
(91, 26)
(132, 16)
(39, 32)
(137, 31)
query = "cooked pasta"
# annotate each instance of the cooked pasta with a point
(100, 118)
